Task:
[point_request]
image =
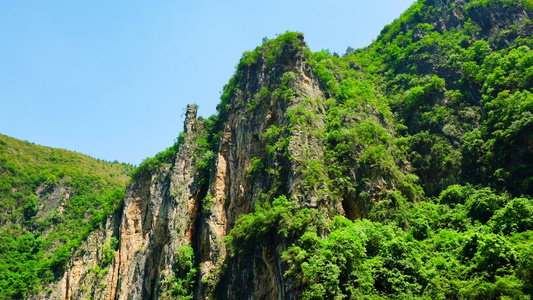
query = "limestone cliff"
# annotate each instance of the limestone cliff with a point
(237, 182)
(157, 218)
(170, 206)
(267, 141)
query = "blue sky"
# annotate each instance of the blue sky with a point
(111, 79)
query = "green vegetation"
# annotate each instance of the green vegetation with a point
(422, 141)
(51, 200)
(180, 286)
(463, 98)
(151, 164)
(366, 161)
(281, 217)
(465, 244)
(427, 144)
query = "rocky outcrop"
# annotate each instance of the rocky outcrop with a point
(494, 18)
(166, 207)
(236, 189)
(52, 197)
(158, 217)
(85, 275)
(159, 212)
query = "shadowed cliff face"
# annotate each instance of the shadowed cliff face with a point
(493, 18)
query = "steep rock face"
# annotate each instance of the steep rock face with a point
(163, 211)
(270, 139)
(237, 185)
(159, 211)
(156, 220)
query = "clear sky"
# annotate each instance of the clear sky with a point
(111, 79)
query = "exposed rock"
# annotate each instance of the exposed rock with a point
(236, 190)
(52, 197)
(85, 276)
(169, 206)
(159, 216)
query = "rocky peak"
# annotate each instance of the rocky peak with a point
(270, 83)
(190, 120)
(186, 202)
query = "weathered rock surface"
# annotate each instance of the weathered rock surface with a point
(236, 190)
(163, 211)
(159, 212)
(172, 205)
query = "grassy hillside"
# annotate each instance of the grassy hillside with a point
(50, 200)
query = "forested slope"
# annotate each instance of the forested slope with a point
(50, 200)
(403, 170)
(429, 139)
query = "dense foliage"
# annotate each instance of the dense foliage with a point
(456, 247)
(51, 200)
(428, 148)
(426, 151)
(180, 286)
(464, 94)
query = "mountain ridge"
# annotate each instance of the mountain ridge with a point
(385, 173)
